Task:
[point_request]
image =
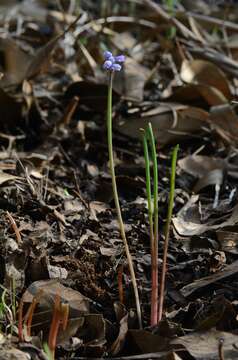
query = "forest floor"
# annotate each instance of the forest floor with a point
(60, 242)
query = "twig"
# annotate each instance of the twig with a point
(220, 349)
(14, 227)
(120, 284)
(175, 22)
(212, 20)
(69, 112)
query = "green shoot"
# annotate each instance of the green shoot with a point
(148, 190)
(154, 295)
(47, 351)
(167, 230)
(170, 4)
(153, 218)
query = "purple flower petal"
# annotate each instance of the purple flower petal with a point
(107, 55)
(120, 58)
(112, 59)
(108, 65)
(115, 67)
(112, 63)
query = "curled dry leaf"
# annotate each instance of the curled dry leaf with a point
(50, 288)
(122, 317)
(188, 220)
(199, 165)
(225, 117)
(15, 62)
(4, 177)
(93, 334)
(171, 123)
(204, 345)
(210, 171)
(196, 72)
(201, 94)
(229, 270)
(46, 292)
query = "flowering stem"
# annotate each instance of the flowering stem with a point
(116, 199)
(154, 259)
(167, 229)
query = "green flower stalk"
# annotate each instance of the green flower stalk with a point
(112, 64)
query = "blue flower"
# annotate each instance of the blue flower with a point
(111, 62)
(107, 55)
(120, 58)
(115, 67)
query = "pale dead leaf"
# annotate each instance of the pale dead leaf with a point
(204, 72)
(204, 345)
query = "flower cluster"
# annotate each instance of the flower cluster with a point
(112, 63)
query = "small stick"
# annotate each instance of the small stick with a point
(220, 349)
(69, 112)
(167, 229)
(120, 284)
(20, 320)
(14, 227)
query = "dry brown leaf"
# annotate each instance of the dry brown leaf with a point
(226, 118)
(50, 288)
(210, 171)
(188, 220)
(15, 62)
(170, 123)
(130, 83)
(199, 165)
(228, 240)
(204, 345)
(4, 177)
(204, 72)
(47, 290)
(199, 284)
(198, 93)
(122, 318)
